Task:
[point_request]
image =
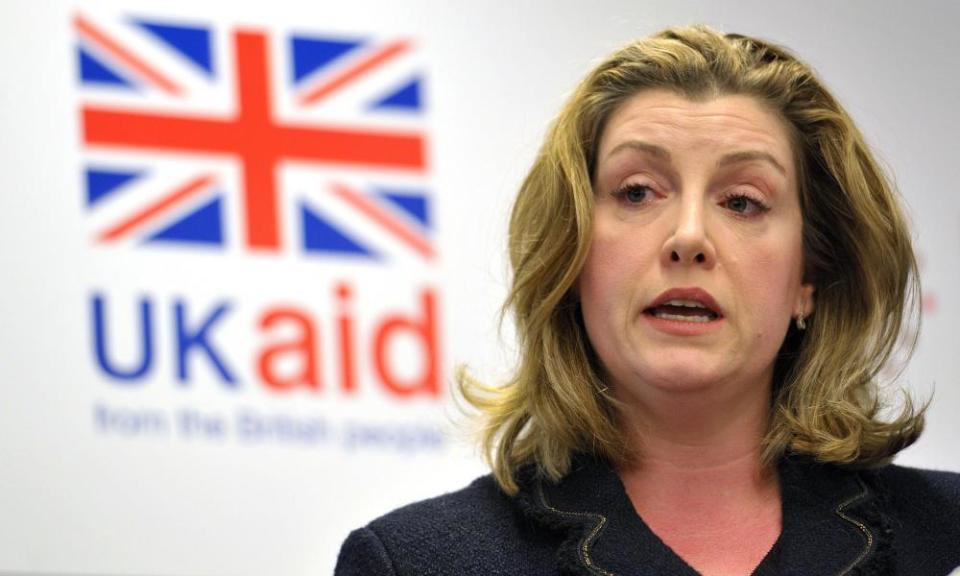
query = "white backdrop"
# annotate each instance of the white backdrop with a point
(173, 476)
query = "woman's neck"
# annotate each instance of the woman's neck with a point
(698, 481)
(673, 430)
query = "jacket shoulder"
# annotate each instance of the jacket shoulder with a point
(917, 487)
(475, 530)
(481, 502)
(924, 509)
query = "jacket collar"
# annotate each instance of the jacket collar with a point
(832, 523)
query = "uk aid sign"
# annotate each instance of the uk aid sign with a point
(306, 149)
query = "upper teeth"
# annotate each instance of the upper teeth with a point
(685, 303)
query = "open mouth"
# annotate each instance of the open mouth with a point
(680, 310)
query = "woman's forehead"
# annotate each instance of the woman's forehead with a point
(665, 123)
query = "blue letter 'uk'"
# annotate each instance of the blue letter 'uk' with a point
(187, 339)
(146, 342)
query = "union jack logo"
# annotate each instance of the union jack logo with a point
(236, 138)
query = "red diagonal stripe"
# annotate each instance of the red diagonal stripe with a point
(384, 219)
(354, 72)
(128, 58)
(165, 203)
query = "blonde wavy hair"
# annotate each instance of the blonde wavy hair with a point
(857, 247)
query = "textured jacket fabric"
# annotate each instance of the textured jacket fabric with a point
(893, 520)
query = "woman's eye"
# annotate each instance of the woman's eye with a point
(739, 204)
(635, 193)
(744, 205)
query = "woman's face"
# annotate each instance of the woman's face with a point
(695, 268)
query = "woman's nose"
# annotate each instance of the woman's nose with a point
(690, 242)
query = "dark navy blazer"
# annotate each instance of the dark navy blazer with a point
(892, 520)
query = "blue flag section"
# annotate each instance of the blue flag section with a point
(202, 226)
(407, 98)
(412, 203)
(93, 71)
(313, 54)
(319, 235)
(102, 182)
(193, 43)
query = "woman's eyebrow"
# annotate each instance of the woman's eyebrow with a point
(641, 146)
(750, 156)
(727, 159)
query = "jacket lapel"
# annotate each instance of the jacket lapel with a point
(602, 535)
(833, 522)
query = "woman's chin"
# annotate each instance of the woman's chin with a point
(681, 375)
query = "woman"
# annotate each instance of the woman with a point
(710, 272)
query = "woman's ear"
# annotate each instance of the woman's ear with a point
(805, 305)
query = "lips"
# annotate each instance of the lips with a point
(693, 305)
